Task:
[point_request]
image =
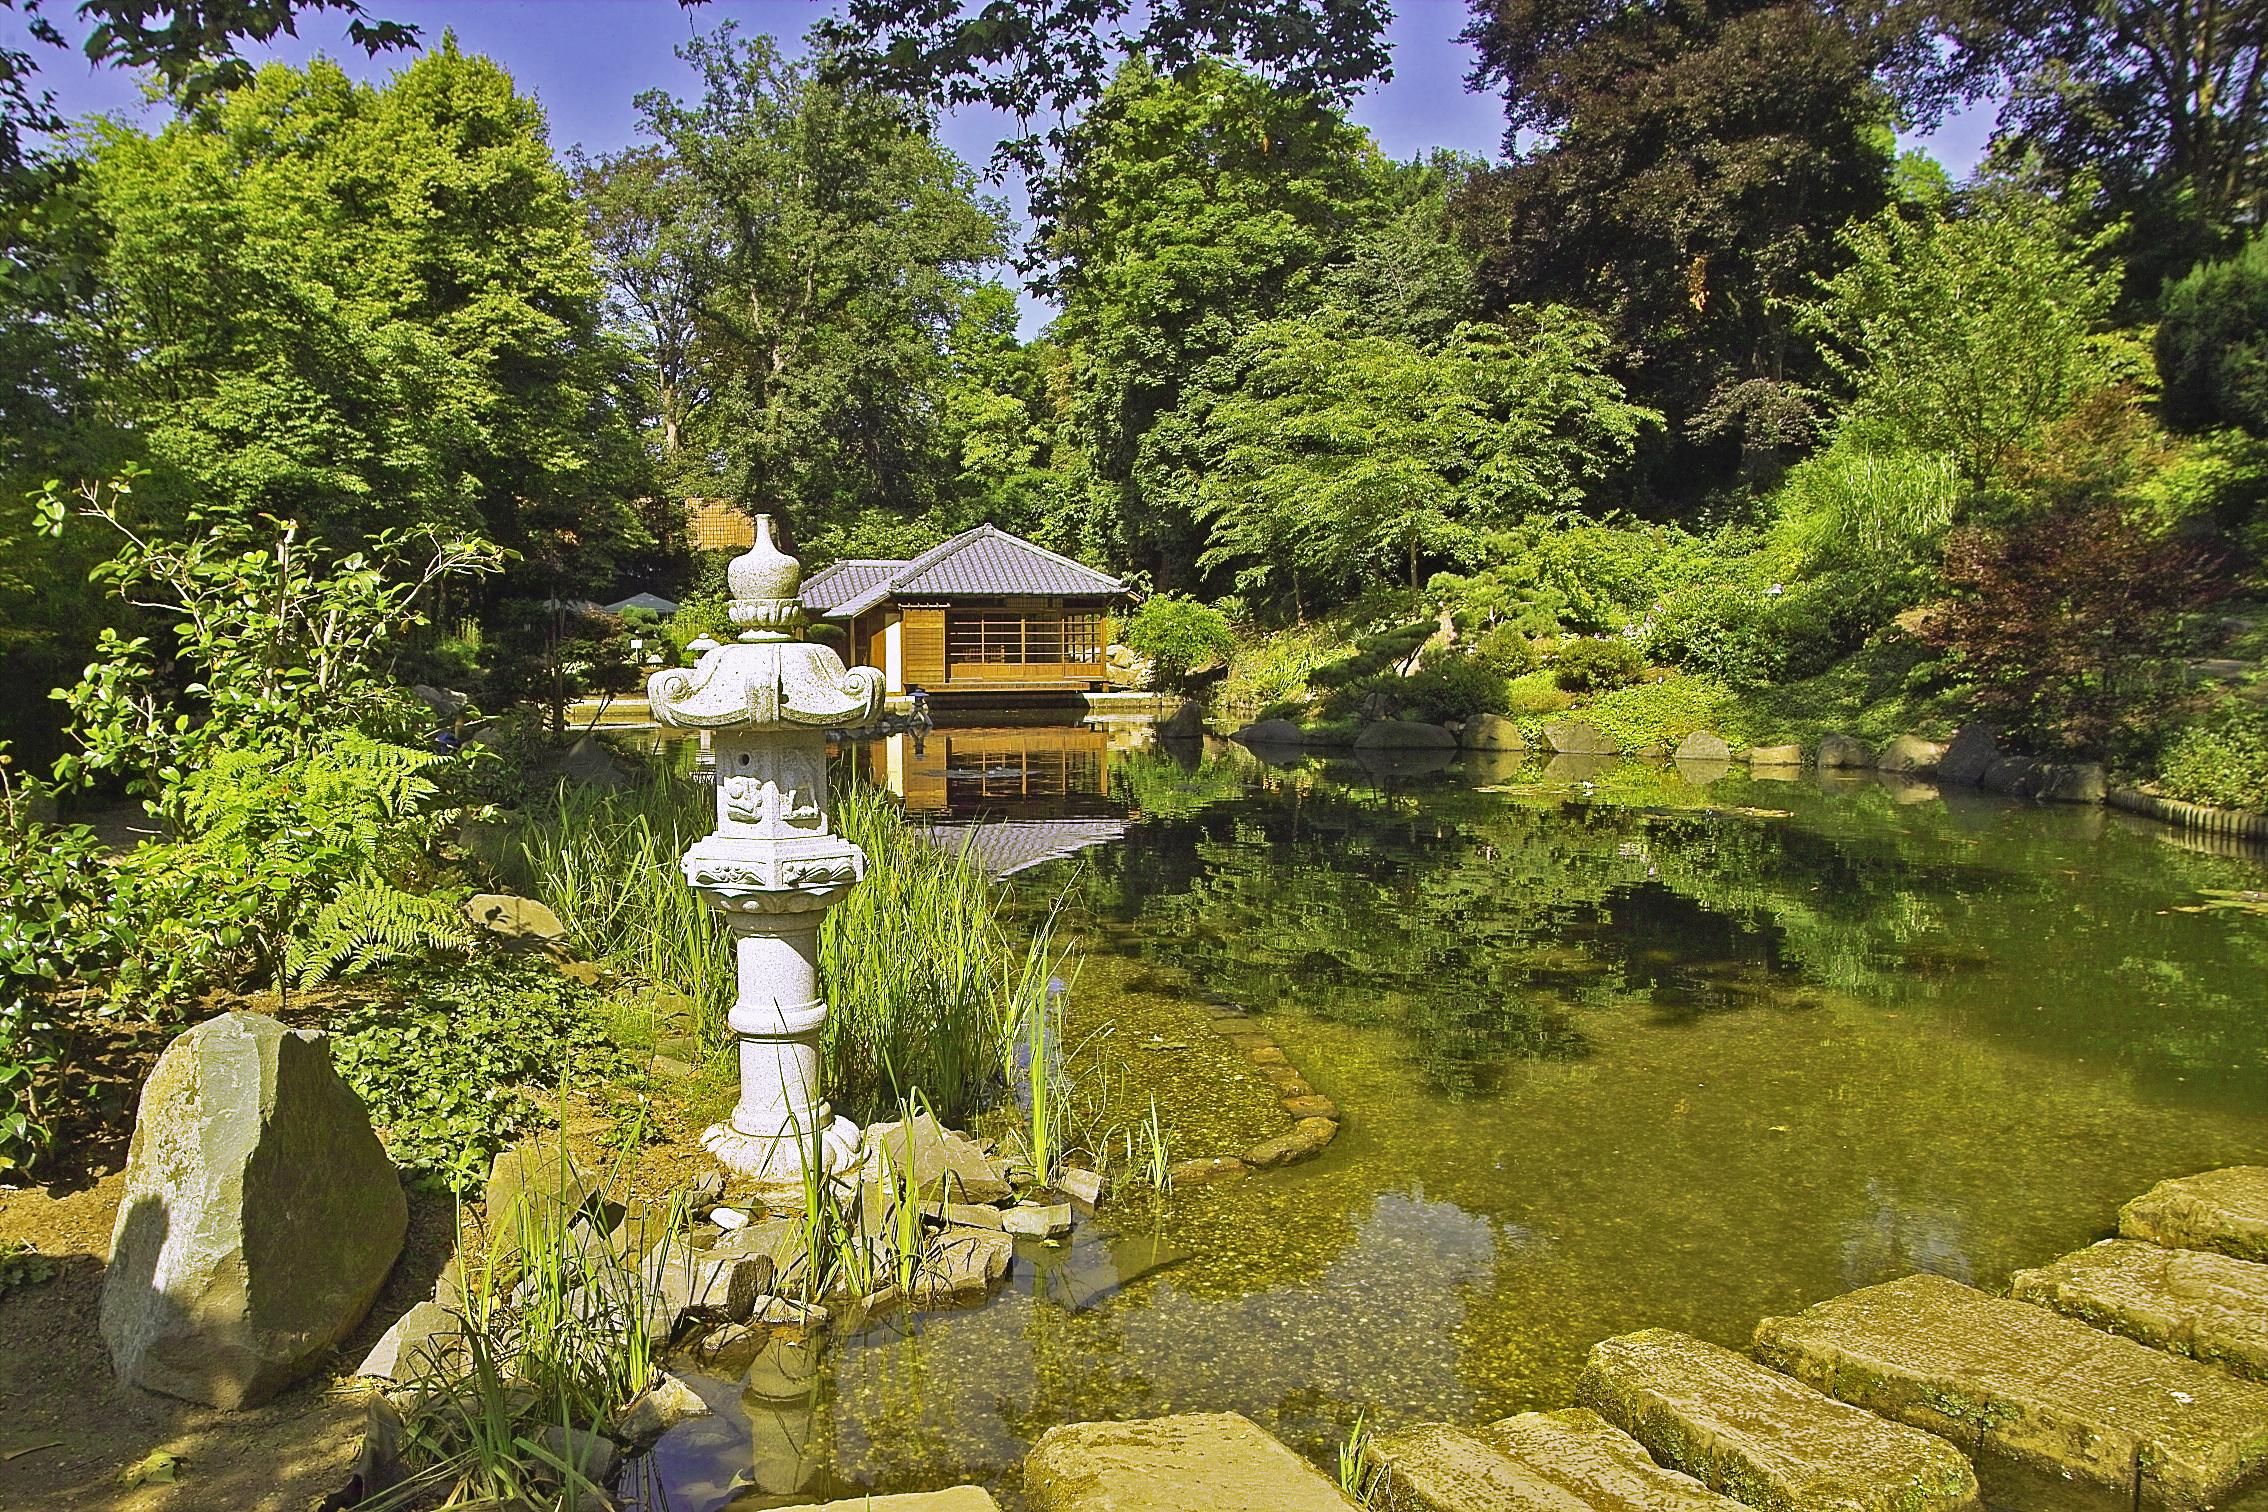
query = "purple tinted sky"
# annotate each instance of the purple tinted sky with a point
(586, 60)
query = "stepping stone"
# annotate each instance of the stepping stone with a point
(959, 1499)
(1197, 1462)
(1567, 1461)
(2224, 1210)
(2028, 1386)
(2192, 1302)
(1763, 1439)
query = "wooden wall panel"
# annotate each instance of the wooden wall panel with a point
(924, 646)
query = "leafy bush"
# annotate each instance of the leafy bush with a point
(2213, 343)
(1594, 666)
(1451, 687)
(1179, 636)
(2221, 758)
(1507, 650)
(1270, 670)
(1387, 651)
(2069, 628)
(455, 1065)
(1536, 693)
(1657, 715)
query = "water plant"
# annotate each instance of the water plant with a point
(1352, 1450)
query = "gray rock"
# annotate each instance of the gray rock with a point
(1703, 745)
(1083, 1187)
(1404, 735)
(2225, 1211)
(588, 763)
(1844, 751)
(1964, 761)
(534, 1190)
(1185, 723)
(2025, 1385)
(1911, 755)
(961, 1266)
(1775, 756)
(1537, 1461)
(2196, 1303)
(707, 1284)
(1036, 1220)
(1763, 1438)
(517, 919)
(1270, 732)
(591, 1453)
(446, 703)
(946, 1166)
(1197, 1462)
(423, 1342)
(659, 1408)
(260, 1216)
(2071, 782)
(1575, 737)
(1491, 732)
(2011, 777)
(954, 1499)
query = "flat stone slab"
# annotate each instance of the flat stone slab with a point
(2008, 1379)
(958, 1499)
(1763, 1439)
(2193, 1302)
(1196, 1462)
(2225, 1211)
(1568, 1461)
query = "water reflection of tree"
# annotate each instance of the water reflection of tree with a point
(1472, 921)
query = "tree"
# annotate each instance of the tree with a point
(1966, 333)
(1679, 170)
(1194, 208)
(1328, 460)
(2213, 343)
(2162, 103)
(825, 247)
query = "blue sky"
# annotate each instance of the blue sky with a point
(586, 60)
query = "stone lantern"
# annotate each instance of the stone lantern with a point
(773, 866)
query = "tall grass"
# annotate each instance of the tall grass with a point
(929, 988)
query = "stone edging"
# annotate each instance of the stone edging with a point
(2196, 816)
(1314, 1117)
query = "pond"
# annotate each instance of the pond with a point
(1615, 1050)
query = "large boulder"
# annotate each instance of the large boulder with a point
(2070, 782)
(1844, 751)
(941, 1164)
(1775, 756)
(1911, 755)
(1703, 745)
(1574, 737)
(1404, 735)
(1197, 1462)
(1184, 723)
(259, 1219)
(1270, 732)
(1491, 732)
(517, 920)
(1970, 755)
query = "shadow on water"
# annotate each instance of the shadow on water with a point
(1616, 1049)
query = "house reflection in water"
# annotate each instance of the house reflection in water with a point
(1016, 796)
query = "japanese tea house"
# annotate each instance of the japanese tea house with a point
(984, 612)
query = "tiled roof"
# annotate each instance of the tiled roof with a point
(980, 562)
(846, 580)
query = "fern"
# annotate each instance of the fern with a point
(369, 922)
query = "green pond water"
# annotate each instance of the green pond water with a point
(1615, 1050)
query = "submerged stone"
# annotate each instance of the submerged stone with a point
(259, 1219)
(2026, 1385)
(2224, 1210)
(1763, 1439)
(1910, 755)
(1199, 1172)
(2193, 1302)
(1197, 1462)
(954, 1499)
(1304, 1140)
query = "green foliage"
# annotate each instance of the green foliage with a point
(1179, 636)
(2220, 758)
(1881, 513)
(1534, 693)
(1451, 686)
(1655, 716)
(21, 1264)
(1966, 334)
(2213, 343)
(1325, 461)
(1507, 650)
(1273, 668)
(1595, 666)
(454, 1065)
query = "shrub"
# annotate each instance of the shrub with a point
(1660, 714)
(1451, 687)
(1507, 650)
(1595, 666)
(2068, 628)
(2213, 343)
(1275, 669)
(1535, 693)
(2220, 759)
(1179, 636)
